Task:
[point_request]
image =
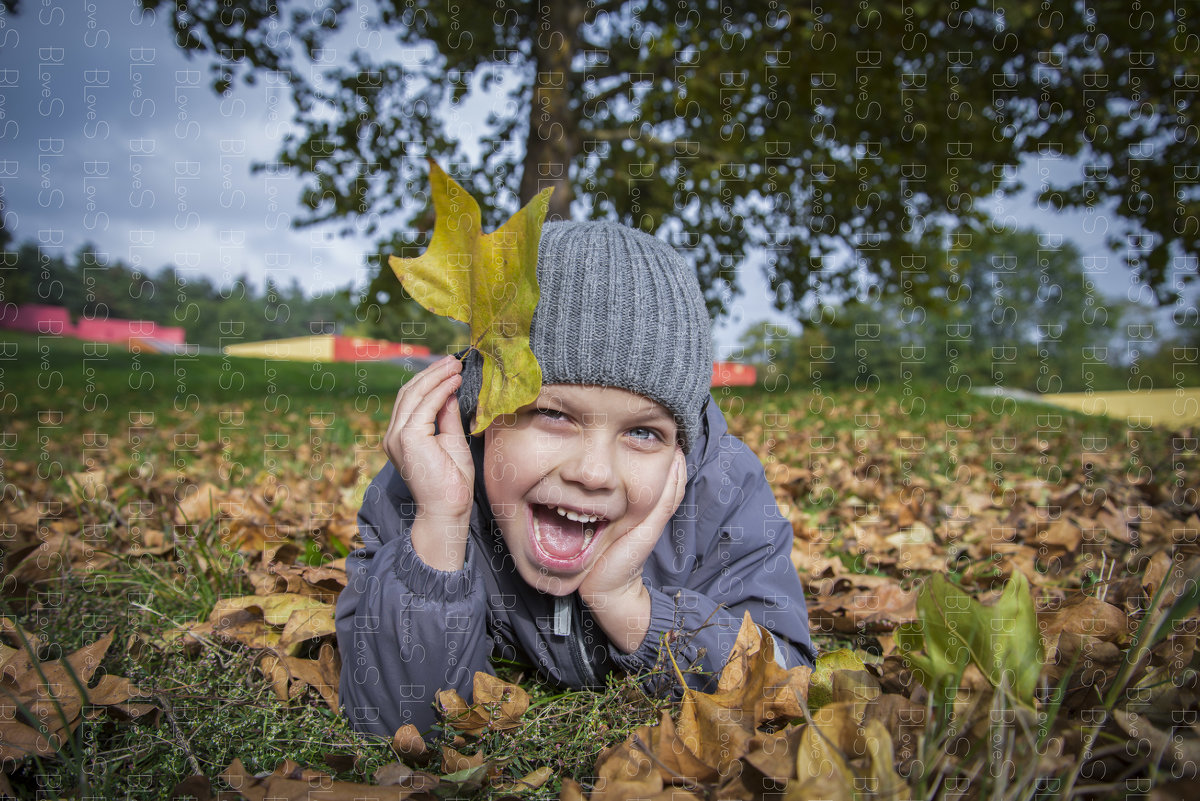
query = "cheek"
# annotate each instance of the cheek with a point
(647, 480)
(500, 468)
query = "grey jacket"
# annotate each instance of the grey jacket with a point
(406, 630)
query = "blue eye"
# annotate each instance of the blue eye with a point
(641, 432)
(551, 414)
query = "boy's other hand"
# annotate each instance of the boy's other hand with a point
(434, 461)
(613, 588)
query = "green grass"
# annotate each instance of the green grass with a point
(161, 422)
(74, 404)
(216, 707)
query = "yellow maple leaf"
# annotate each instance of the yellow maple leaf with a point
(488, 281)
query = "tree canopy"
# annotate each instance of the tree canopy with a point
(841, 141)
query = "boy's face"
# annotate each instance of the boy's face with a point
(571, 473)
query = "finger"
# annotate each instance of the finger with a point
(679, 476)
(418, 388)
(430, 407)
(651, 527)
(450, 427)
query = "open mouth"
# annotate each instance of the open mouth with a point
(561, 536)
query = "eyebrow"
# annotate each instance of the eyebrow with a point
(654, 412)
(648, 413)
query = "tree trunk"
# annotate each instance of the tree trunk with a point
(553, 138)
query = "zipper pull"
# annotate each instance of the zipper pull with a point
(562, 616)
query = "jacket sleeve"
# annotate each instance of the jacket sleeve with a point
(404, 629)
(729, 552)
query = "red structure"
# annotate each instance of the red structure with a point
(354, 349)
(37, 319)
(730, 374)
(56, 320)
(117, 330)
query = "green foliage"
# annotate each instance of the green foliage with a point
(759, 124)
(95, 285)
(1019, 312)
(953, 630)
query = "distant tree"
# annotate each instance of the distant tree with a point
(91, 283)
(1018, 311)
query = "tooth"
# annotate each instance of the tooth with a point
(578, 517)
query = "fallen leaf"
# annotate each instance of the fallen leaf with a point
(496, 704)
(820, 684)
(530, 781)
(718, 727)
(821, 772)
(199, 503)
(42, 702)
(453, 761)
(290, 675)
(289, 782)
(408, 743)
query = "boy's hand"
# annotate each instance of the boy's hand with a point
(613, 589)
(437, 467)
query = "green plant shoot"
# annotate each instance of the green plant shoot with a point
(953, 630)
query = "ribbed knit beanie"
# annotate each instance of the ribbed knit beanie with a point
(617, 308)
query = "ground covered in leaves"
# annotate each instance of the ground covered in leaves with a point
(1004, 595)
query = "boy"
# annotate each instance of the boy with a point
(612, 515)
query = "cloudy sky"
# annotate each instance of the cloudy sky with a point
(111, 136)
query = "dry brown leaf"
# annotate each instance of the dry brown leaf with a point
(1085, 615)
(774, 755)
(289, 782)
(904, 719)
(1062, 533)
(400, 774)
(199, 503)
(290, 675)
(1181, 751)
(675, 759)
(18, 741)
(18, 637)
(496, 704)
(307, 624)
(58, 554)
(841, 723)
(625, 772)
(240, 625)
(881, 781)
(718, 727)
(274, 609)
(571, 791)
(821, 772)
(880, 608)
(408, 743)
(196, 787)
(453, 761)
(149, 542)
(40, 704)
(530, 781)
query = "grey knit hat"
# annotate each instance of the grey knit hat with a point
(617, 308)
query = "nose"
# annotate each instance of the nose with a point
(589, 464)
